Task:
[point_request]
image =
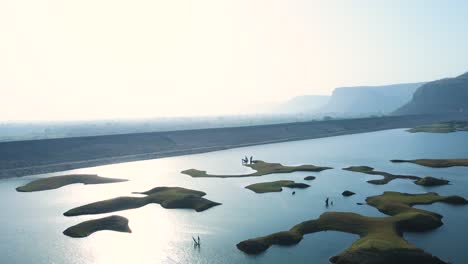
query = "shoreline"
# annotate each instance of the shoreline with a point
(178, 143)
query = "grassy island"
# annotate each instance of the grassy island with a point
(436, 163)
(380, 239)
(275, 186)
(113, 223)
(167, 197)
(261, 168)
(60, 181)
(431, 181)
(387, 177)
(445, 127)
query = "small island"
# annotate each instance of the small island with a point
(261, 168)
(275, 186)
(431, 181)
(348, 193)
(309, 178)
(112, 223)
(445, 127)
(381, 238)
(56, 182)
(387, 177)
(436, 163)
(167, 197)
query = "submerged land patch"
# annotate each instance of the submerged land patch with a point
(380, 239)
(436, 163)
(60, 181)
(167, 197)
(261, 168)
(387, 177)
(275, 186)
(444, 127)
(112, 223)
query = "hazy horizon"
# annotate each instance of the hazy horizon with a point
(91, 60)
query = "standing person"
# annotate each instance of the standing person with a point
(198, 240)
(251, 159)
(326, 202)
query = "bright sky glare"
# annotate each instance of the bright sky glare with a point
(92, 59)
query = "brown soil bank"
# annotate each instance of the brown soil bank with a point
(21, 158)
(381, 238)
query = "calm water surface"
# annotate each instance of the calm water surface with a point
(32, 223)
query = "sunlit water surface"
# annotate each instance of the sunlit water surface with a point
(32, 223)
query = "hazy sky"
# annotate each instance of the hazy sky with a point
(91, 59)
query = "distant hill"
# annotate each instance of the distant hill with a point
(302, 104)
(360, 100)
(448, 95)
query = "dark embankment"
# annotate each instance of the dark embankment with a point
(21, 158)
(56, 182)
(112, 223)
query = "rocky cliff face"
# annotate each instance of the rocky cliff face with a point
(370, 99)
(442, 96)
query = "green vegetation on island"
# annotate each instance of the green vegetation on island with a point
(60, 181)
(445, 127)
(275, 186)
(167, 197)
(436, 163)
(261, 168)
(84, 229)
(431, 181)
(381, 238)
(387, 177)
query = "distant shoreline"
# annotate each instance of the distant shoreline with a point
(22, 158)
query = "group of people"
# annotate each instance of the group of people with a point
(328, 202)
(196, 243)
(246, 160)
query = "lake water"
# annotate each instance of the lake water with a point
(32, 223)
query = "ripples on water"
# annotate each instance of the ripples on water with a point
(32, 223)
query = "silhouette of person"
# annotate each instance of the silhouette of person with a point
(251, 159)
(294, 192)
(198, 240)
(326, 202)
